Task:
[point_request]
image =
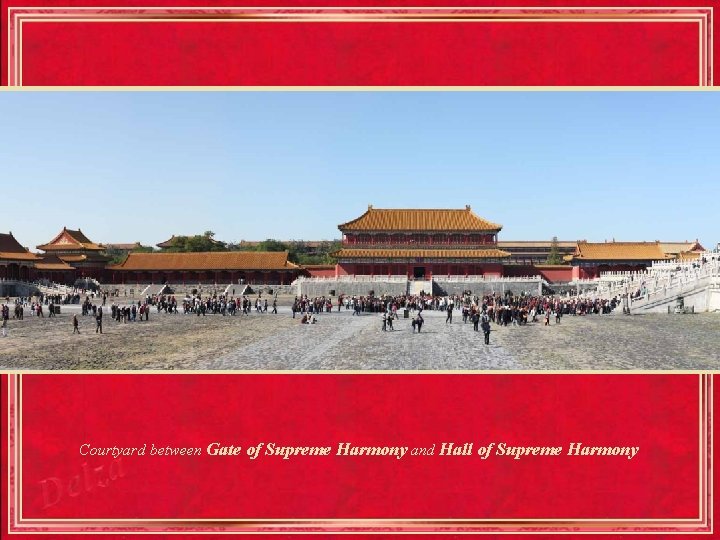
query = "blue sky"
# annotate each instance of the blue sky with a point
(141, 166)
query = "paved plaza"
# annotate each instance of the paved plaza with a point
(342, 341)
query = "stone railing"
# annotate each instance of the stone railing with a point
(43, 285)
(495, 279)
(650, 299)
(401, 279)
(621, 276)
(352, 279)
(664, 279)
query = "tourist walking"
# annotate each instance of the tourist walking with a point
(76, 325)
(5, 317)
(485, 325)
(448, 319)
(98, 321)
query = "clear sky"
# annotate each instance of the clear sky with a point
(141, 166)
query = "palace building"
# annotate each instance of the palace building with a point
(16, 262)
(87, 258)
(592, 258)
(682, 249)
(170, 242)
(414, 244)
(527, 252)
(220, 267)
(52, 268)
(420, 243)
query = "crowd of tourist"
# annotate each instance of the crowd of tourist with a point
(479, 311)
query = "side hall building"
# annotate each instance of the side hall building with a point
(78, 252)
(16, 262)
(219, 267)
(592, 258)
(423, 243)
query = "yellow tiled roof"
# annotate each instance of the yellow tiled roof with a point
(619, 251)
(70, 239)
(675, 248)
(212, 260)
(11, 249)
(16, 256)
(689, 256)
(377, 219)
(53, 266)
(421, 253)
(73, 258)
(507, 244)
(52, 262)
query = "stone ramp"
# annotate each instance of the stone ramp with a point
(415, 287)
(341, 341)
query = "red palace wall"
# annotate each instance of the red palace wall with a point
(322, 272)
(591, 272)
(551, 273)
(431, 269)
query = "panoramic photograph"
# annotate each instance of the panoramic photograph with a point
(360, 231)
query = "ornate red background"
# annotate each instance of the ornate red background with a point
(358, 44)
(664, 487)
(567, 47)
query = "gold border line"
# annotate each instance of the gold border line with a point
(473, 89)
(359, 372)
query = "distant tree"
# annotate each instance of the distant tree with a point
(554, 256)
(299, 251)
(198, 242)
(271, 245)
(328, 248)
(118, 255)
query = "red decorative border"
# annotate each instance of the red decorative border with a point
(703, 524)
(17, 17)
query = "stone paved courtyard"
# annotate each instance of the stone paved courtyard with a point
(341, 341)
